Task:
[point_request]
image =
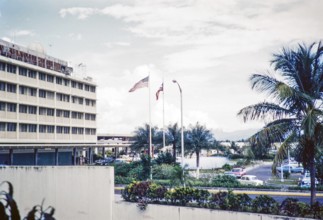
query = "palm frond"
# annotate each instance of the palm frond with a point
(282, 151)
(263, 111)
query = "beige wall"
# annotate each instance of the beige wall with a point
(76, 192)
(163, 212)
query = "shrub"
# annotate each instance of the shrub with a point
(225, 181)
(123, 180)
(163, 171)
(227, 167)
(265, 204)
(165, 158)
(292, 207)
(180, 195)
(219, 201)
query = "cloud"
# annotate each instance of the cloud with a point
(7, 39)
(19, 33)
(75, 36)
(119, 43)
(79, 12)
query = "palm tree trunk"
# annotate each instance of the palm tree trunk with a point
(313, 186)
(197, 164)
(174, 152)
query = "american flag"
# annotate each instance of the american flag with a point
(161, 88)
(142, 83)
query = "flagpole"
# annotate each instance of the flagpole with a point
(150, 147)
(164, 144)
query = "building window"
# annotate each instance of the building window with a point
(92, 117)
(50, 95)
(11, 68)
(23, 90)
(50, 78)
(42, 128)
(74, 130)
(32, 74)
(23, 127)
(11, 107)
(11, 88)
(59, 80)
(80, 86)
(92, 88)
(87, 131)
(93, 131)
(32, 110)
(66, 82)
(2, 106)
(80, 130)
(2, 86)
(50, 112)
(59, 113)
(86, 87)
(42, 111)
(32, 92)
(42, 93)
(50, 128)
(74, 98)
(22, 71)
(32, 128)
(87, 116)
(2, 126)
(23, 108)
(81, 101)
(87, 102)
(80, 115)
(42, 76)
(66, 114)
(59, 129)
(73, 84)
(11, 127)
(2, 66)
(66, 130)
(74, 115)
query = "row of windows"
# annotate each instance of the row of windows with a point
(30, 109)
(42, 93)
(45, 77)
(32, 128)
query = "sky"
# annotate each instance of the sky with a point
(210, 47)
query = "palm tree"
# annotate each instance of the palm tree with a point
(198, 138)
(141, 138)
(173, 137)
(295, 113)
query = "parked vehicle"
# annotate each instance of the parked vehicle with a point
(105, 161)
(251, 180)
(292, 169)
(238, 172)
(305, 181)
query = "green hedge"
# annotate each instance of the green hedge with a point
(148, 192)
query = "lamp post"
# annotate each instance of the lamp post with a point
(182, 134)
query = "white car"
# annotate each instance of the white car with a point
(251, 180)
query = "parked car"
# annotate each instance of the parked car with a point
(305, 181)
(293, 169)
(238, 172)
(105, 161)
(250, 180)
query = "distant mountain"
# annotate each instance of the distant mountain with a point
(221, 135)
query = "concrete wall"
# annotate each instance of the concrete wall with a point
(76, 192)
(162, 212)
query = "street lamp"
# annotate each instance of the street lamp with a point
(182, 135)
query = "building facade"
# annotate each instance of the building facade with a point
(41, 102)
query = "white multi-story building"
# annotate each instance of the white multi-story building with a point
(41, 102)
